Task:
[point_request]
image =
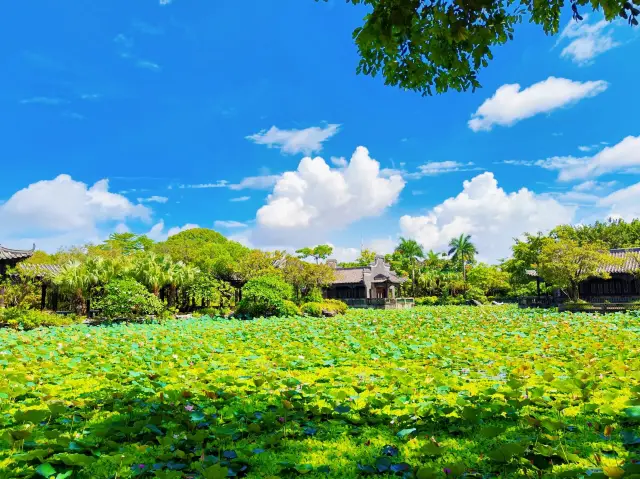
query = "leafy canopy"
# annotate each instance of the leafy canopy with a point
(566, 263)
(319, 252)
(431, 46)
(265, 296)
(126, 298)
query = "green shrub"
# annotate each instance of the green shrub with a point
(313, 296)
(312, 309)
(21, 318)
(213, 312)
(126, 298)
(265, 296)
(427, 301)
(476, 294)
(334, 305)
(289, 309)
(329, 305)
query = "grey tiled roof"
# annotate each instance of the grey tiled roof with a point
(356, 275)
(7, 254)
(349, 275)
(631, 263)
(41, 269)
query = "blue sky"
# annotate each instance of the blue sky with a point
(161, 117)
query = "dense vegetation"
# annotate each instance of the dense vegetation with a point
(432, 46)
(201, 271)
(429, 393)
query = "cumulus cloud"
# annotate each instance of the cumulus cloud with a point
(158, 233)
(308, 203)
(307, 141)
(624, 156)
(490, 215)
(623, 203)
(586, 40)
(63, 204)
(153, 199)
(510, 104)
(339, 161)
(229, 224)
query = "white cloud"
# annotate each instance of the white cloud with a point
(122, 228)
(584, 148)
(624, 203)
(624, 156)
(262, 182)
(490, 215)
(217, 184)
(157, 232)
(586, 40)
(153, 199)
(305, 141)
(339, 161)
(510, 104)
(439, 167)
(592, 185)
(314, 200)
(148, 65)
(229, 224)
(240, 198)
(43, 100)
(63, 204)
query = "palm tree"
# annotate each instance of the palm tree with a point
(74, 279)
(411, 250)
(152, 271)
(463, 250)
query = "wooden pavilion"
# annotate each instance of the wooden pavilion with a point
(13, 258)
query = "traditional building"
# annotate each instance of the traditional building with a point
(374, 281)
(622, 286)
(12, 258)
(9, 258)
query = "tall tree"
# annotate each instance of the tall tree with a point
(411, 250)
(319, 252)
(365, 259)
(463, 250)
(435, 45)
(565, 263)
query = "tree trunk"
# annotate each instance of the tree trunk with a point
(464, 270)
(575, 291)
(413, 277)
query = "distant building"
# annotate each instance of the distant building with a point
(623, 285)
(9, 258)
(368, 282)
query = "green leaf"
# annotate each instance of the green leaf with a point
(406, 432)
(633, 412)
(71, 459)
(430, 449)
(34, 416)
(506, 452)
(304, 468)
(426, 473)
(215, 472)
(45, 470)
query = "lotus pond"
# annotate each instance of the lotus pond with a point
(427, 393)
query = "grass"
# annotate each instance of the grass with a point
(429, 392)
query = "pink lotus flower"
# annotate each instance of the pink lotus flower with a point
(189, 408)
